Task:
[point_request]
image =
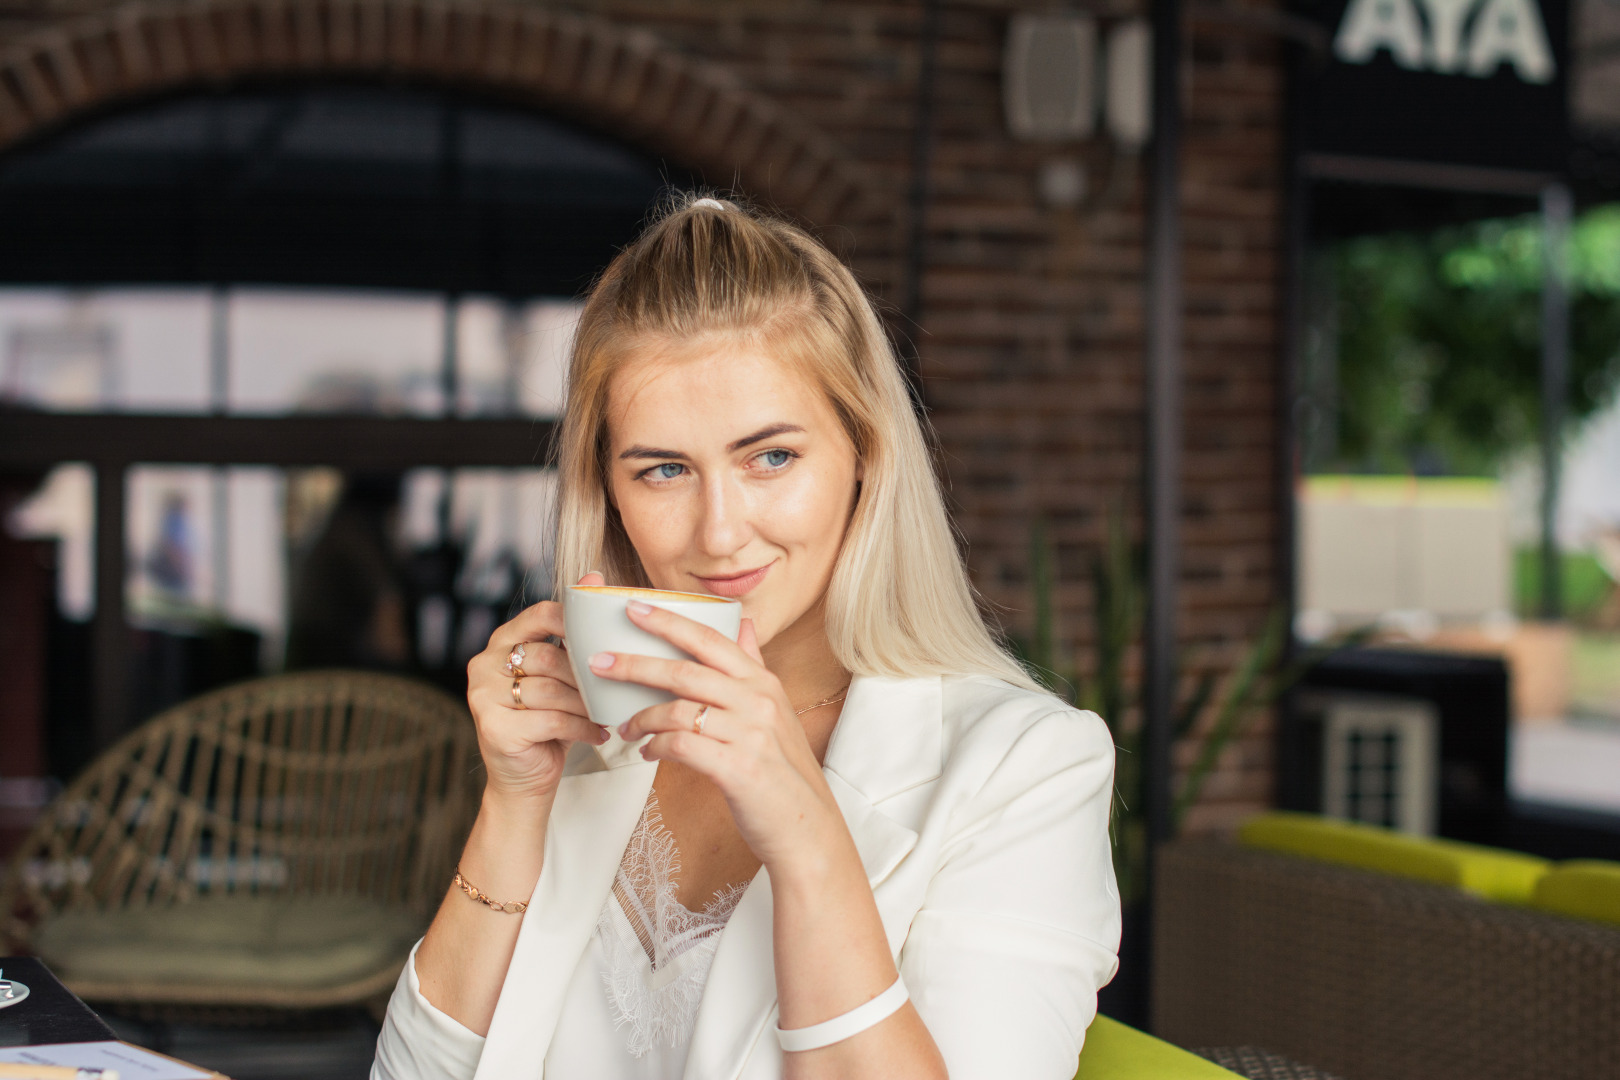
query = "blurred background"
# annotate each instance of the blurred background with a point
(287, 293)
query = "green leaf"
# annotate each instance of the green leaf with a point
(1193, 707)
(1233, 711)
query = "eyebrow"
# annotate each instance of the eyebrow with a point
(764, 433)
(639, 451)
(768, 432)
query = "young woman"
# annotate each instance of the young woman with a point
(861, 842)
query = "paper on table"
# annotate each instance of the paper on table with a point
(131, 1062)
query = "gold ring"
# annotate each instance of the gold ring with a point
(517, 692)
(514, 662)
(697, 721)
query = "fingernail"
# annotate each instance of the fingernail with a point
(640, 607)
(601, 733)
(624, 730)
(601, 661)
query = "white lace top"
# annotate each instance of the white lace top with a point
(643, 975)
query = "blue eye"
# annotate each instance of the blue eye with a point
(667, 471)
(776, 458)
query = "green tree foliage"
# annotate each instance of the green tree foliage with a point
(1439, 341)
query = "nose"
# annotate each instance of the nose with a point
(724, 527)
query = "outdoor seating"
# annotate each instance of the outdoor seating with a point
(276, 845)
(1383, 957)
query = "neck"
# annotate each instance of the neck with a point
(801, 658)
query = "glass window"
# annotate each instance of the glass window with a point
(512, 359)
(1421, 428)
(143, 350)
(233, 571)
(302, 248)
(294, 350)
(265, 351)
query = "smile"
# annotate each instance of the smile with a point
(735, 585)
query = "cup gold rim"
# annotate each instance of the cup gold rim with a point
(665, 594)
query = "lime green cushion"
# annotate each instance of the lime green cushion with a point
(1115, 1052)
(1584, 889)
(303, 943)
(1504, 876)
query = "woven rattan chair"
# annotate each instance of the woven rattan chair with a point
(276, 845)
(1374, 977)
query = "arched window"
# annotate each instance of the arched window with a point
(277, 363)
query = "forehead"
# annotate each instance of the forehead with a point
(715, 393)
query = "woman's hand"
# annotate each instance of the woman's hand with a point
(523, 745)
(752, 745)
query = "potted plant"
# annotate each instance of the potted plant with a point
(1212, 710)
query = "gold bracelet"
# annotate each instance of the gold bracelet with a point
(510, 907)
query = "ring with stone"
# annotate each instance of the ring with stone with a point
(697, 721)
(514, 663)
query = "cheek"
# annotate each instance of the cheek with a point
(651, 523)
(812, 510)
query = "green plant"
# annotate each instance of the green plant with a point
(1434, 342)
(1586, 585)
(1107, 684)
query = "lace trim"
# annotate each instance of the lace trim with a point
(643, 924)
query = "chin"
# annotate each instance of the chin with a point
(771, 619)
(766, 624)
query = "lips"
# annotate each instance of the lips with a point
(736, 585)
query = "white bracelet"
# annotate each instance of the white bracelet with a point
(854, 1022)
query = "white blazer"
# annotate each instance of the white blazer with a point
(981, 815)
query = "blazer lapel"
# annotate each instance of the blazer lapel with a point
(892, 743)
(591, 823)
(891, 736)
(740, 994)
(889, 739)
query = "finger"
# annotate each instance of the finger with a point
(534, 623)
(542, 658)
(539, 692)
(683, 678)
(709, 757)
(708, 645)
(748, 641)
(492, 668)
(514, 731)
(594, 578)
(679, 715)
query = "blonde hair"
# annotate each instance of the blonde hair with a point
(899, 602)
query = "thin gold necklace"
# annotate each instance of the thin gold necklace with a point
(821, 704)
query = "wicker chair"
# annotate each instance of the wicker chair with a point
(1377, 977)
(276, 845)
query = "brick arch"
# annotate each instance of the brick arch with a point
(625, 82)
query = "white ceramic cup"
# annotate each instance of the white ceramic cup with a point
(595, 621)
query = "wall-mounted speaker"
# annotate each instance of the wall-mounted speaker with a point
(1049, 77)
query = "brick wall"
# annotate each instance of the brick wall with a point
(1031, 323)
(1030, 332)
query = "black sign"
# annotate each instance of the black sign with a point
(1459, 82)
